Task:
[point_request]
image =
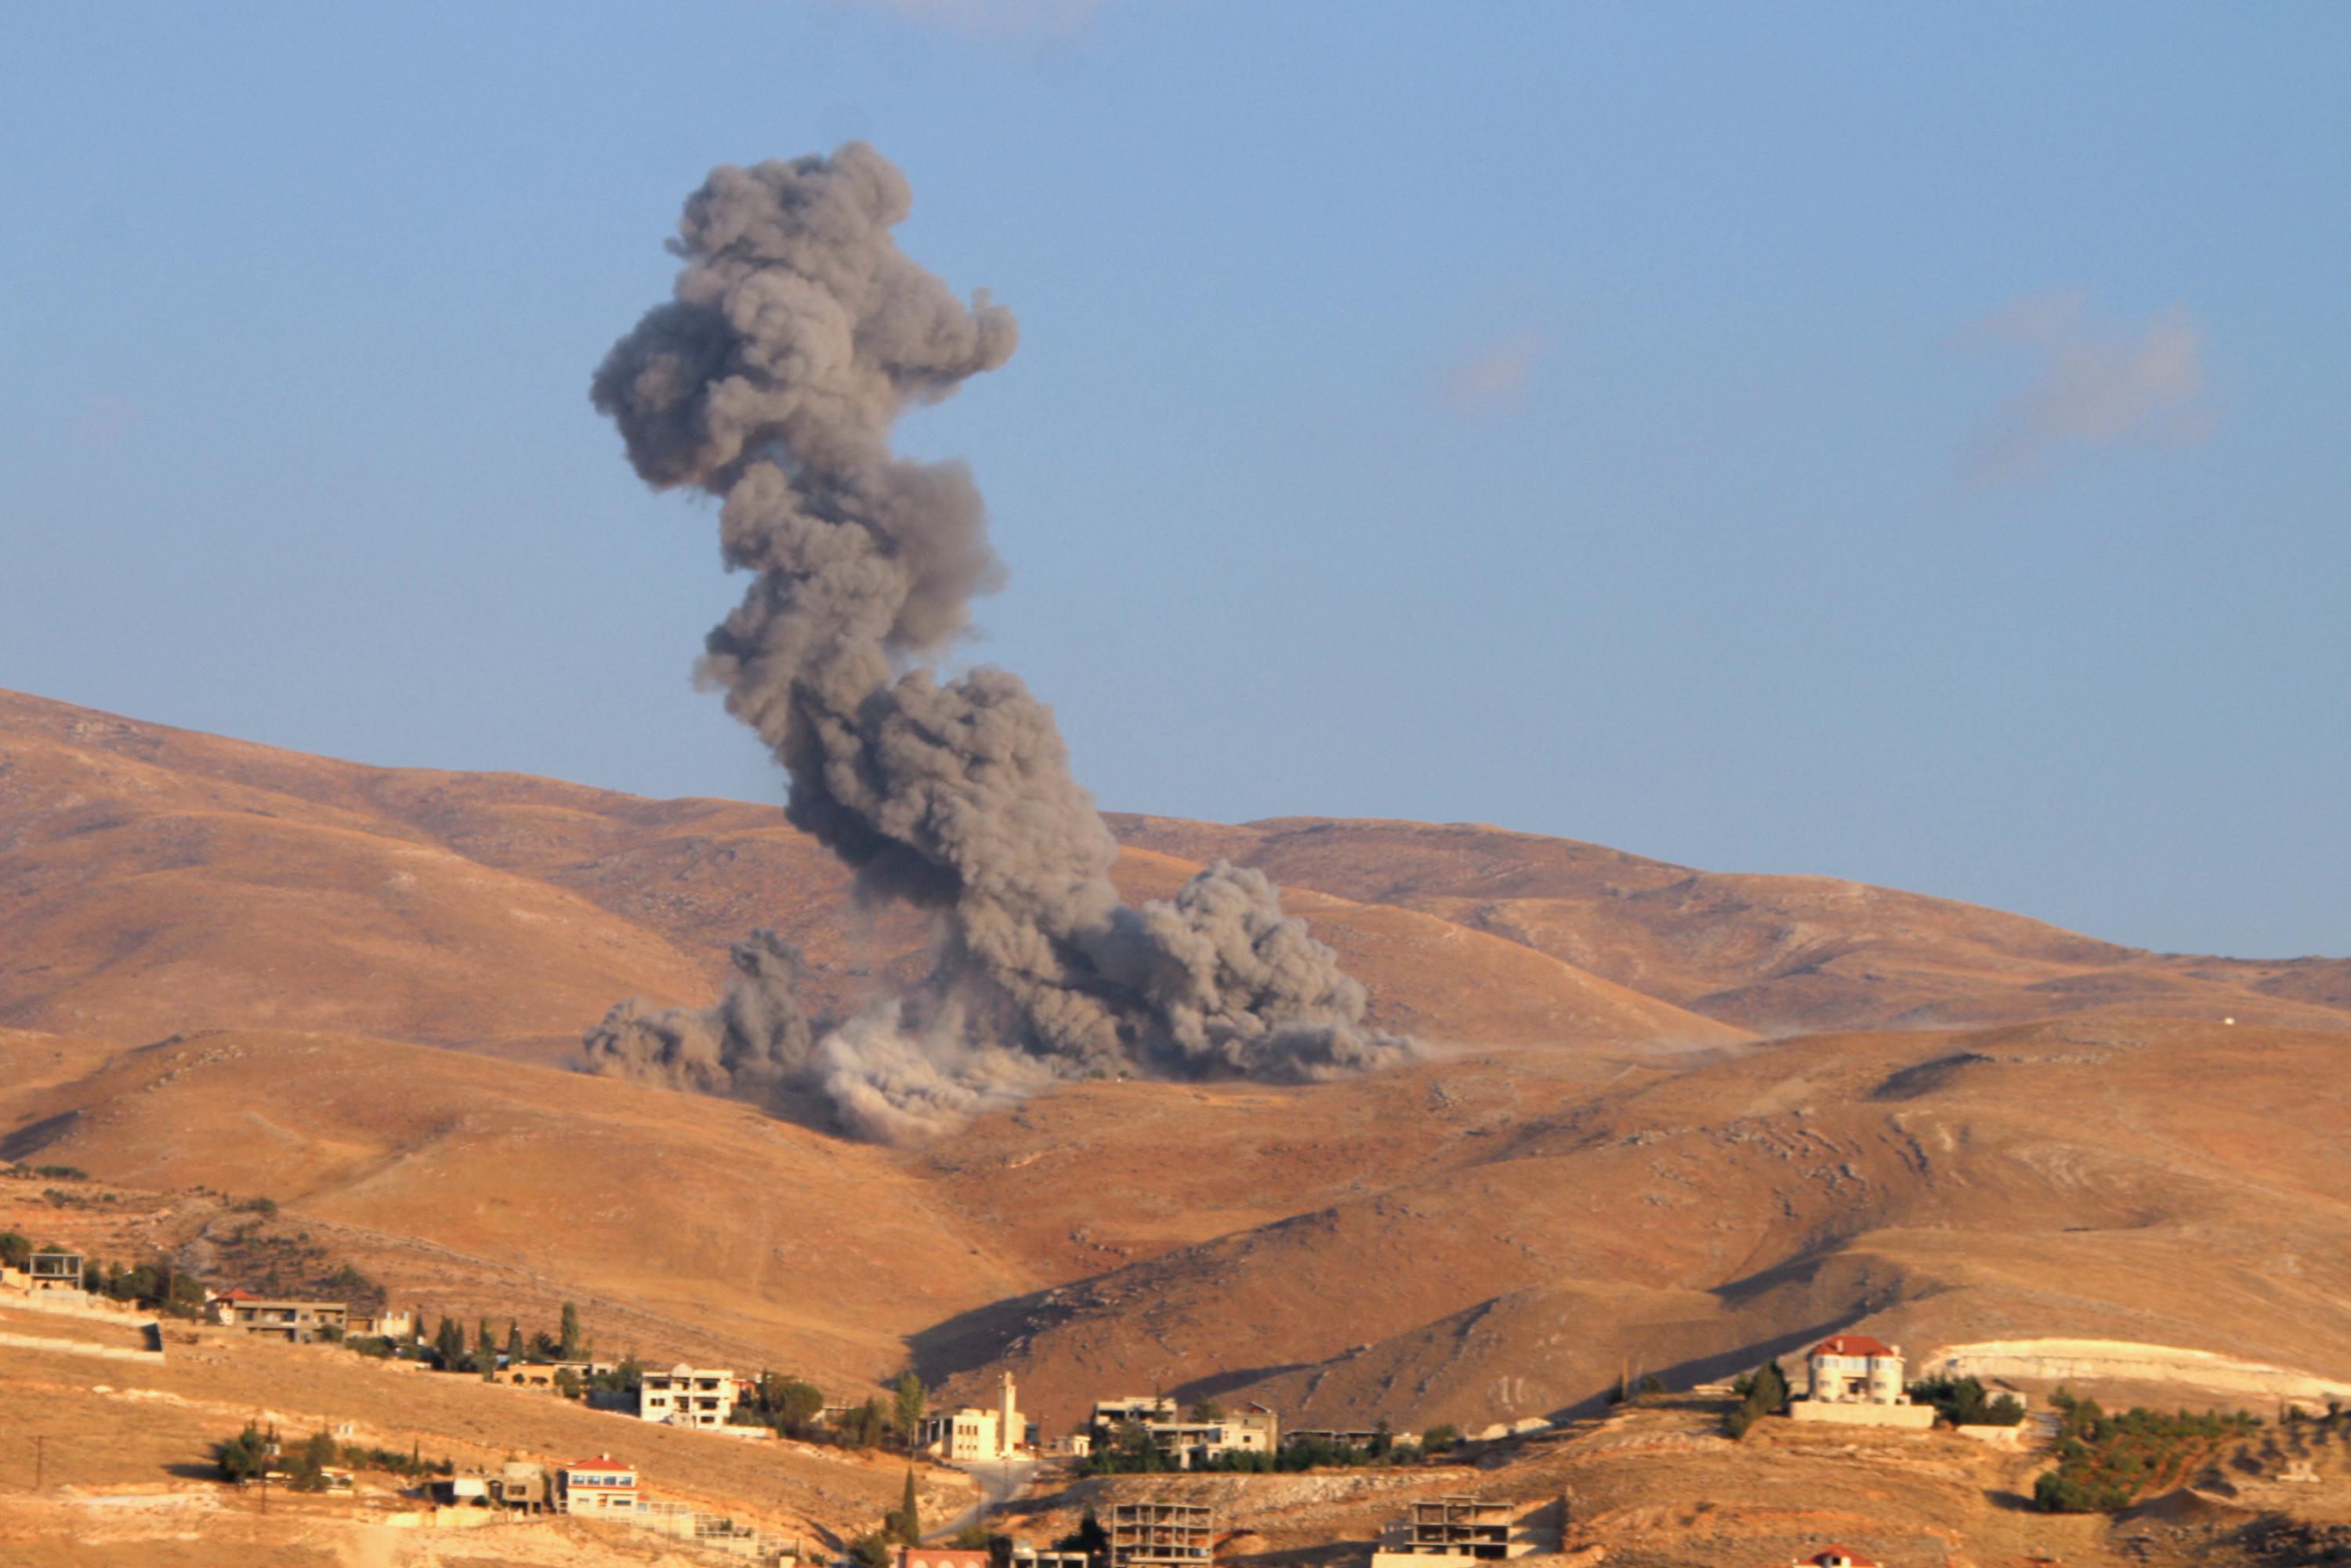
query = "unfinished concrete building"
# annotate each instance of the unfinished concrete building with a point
(1458, 1528)
(47, 1271)
(1162, 1535)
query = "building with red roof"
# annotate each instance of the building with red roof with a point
(1857, 1379)
(1836, 1556)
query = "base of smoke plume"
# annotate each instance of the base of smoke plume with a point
(872, 1077)
(908, 1067)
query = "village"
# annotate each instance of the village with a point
(1847, 1380)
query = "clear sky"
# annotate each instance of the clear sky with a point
(1904, 443)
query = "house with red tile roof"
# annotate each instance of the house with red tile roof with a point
(1857, 1380)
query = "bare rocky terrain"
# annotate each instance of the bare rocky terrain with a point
(1670, 1120)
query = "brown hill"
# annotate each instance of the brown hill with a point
(683, 1225)
(154, 879)
(1494, 1237)
(1771, 954)
(226, 967)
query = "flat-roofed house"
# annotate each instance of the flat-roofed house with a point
(973, 1436)
(385, 1325)
(523, 1486)
(602, 1485)
(272, 1317)
(689, 1396)
(1252, 1428)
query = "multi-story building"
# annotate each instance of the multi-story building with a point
(1191, 1443)
(267, 1317)
(1854, 1368)
(523, 1486)
(1162, 1535)
(1857, 1380)
(973, 1436)
(688, 1396)
(384, 1324)
(1455, 1529)
(599, 1486)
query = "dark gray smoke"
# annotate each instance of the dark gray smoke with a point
(797, 334)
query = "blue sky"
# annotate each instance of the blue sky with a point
(1906, 444)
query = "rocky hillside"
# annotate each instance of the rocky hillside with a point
(1671, 1120)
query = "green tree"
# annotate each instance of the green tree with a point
(906, 1409)
(514, 1343)
(1204, 1409)
(793, 1403)
(870, 1551)
(308, 1471)
(566, 1345)
(905, 1522)
(1965, 1401)
(15, 1250)
(1763, 1392)
(864, 1425)
(245, 1456)
(1441, 1439)
(1089, 1538)
(567, 1383)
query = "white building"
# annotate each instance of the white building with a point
(688, 1396)
(1253, 1429)
(972, 1435)
(1849, 1368)
(602, 1485)
(1857, 1380)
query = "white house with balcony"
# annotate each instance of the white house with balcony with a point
(1857, 1380)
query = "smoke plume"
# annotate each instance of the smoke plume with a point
(796, 335)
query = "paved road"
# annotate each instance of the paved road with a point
(998, 1484)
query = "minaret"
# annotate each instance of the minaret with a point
(1011, 1432)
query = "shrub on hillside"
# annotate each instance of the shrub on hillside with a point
(246, 1456)
(2105, 1461)
(1763, 1392)
(1966, 1402)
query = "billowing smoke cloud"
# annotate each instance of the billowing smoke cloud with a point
(797, 334)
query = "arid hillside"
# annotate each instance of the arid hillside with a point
(358, 992)
(155, 881)
(1772, 954)
(1500, 1236)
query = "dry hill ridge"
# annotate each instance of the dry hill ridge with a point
(224, 966)
(154, 879)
